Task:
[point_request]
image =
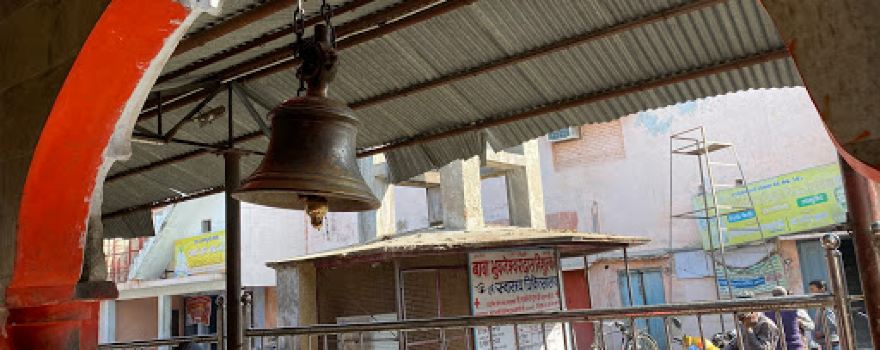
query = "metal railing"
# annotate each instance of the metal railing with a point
(539, 329)
(322, 336)
(585, 315)
(217, 338)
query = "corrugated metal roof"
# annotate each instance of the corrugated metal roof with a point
(271, 23)
(486, 31)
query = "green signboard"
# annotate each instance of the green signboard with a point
(790, 203)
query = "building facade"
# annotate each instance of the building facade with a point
(621, 177)
(617, 178)
(168, 284)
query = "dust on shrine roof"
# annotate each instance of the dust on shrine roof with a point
(439, 242)
(443, 78)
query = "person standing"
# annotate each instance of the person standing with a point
(759, 333)
(826, 322)
(792, 322)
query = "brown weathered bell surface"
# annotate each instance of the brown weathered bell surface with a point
(311, 161)
(311, 158)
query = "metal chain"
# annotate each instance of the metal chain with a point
(299, 29)
(299, 22)
(302, 88)
(327, 14)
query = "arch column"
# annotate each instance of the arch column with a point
(89, 127)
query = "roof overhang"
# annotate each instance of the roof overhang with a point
(445, 242)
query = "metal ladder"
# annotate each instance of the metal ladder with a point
(694, 143)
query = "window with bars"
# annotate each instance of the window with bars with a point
(119, 253)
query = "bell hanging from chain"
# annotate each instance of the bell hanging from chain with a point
(311, 160)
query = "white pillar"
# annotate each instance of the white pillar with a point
(163, 325)
(297, 301)
(525, 193)
(258, 307)
(107, 322)
(380, 222)
(460, 192)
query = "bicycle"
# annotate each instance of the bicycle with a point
(643, 340)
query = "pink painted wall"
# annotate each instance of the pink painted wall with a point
(137, 319)
(617, 177)
(624, 166)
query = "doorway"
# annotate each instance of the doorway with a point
(577, 297)
(432, 293)
(647, 289)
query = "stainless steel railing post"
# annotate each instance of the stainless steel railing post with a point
(221, 315)
(247, 300)
(839, 291)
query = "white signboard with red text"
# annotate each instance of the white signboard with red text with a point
(516, 281)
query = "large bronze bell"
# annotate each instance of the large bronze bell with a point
(311, 160)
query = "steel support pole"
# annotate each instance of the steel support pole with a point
(629, 290)
(861, 198)
(232, 175)
(398, 300)
(233, 252)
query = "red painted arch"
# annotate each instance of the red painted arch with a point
(63, 172)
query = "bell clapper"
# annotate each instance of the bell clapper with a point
(316, 209)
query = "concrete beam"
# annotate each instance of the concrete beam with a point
(504, 159)
(171, 286)
(460, 195)
(380, 222)
(297, 301)
(489, 172)
(427, 180)
(525, 193)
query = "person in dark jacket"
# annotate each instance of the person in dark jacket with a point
(826, 321)
(759, 333)
(791, 322)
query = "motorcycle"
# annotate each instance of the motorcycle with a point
(718, 341)
(644, 341)
(724, 339)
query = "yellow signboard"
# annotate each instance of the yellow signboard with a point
(203, 253)
(794, 202)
